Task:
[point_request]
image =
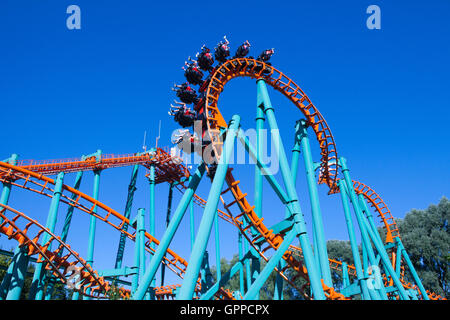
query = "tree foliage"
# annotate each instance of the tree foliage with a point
(425, 235)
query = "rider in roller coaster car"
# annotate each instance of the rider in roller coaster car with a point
(186, 93)
(182, 114)
(222, 51)
(192, 72)
(242, 50)
(265, 55)
(205, 59)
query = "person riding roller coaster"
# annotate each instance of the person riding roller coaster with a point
(186, 93)
(222, 51)
(205, 59)
(265, 55)
(192, 72)
(242, 50)
(182, 114)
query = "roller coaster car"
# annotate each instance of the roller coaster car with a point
(185, 117)
(186, 93)
(222, 51)
(205, 59)
(192, 72)
(242, 50)
(265, 55)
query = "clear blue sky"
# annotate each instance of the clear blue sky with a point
(384, 93)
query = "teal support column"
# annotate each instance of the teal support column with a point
(241, 271)
(187, 289)
(258, 197)
(217, 244)
(156, 260)
(353, 244)
(152, 184)
(192, 222)
(92, 227)
(258, 194)
(373, 293)
(345, 277)
(127, 213)
(18, 275)
(141, 230)
(65, 232)
(247, 261)
(4, 198)
(366, 232)
(169, 209)
(412, 270)
(299, 225)
(368, 214)
(37, 285)
(398, 260)
(137, 259)
(271, 264)
(320, 246)
(278, 289)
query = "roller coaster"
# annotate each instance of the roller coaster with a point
(381, 268)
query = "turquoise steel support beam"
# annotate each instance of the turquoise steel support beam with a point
(345, 277)
(169, 209)
(353, 244)
(37, 284)
(270, 266)
(65, 232)
(187, 289)
(258, 193)
(18, 275)
(93, 225)
(411, 268)
(141, 230)
(296, 150)
(278, 288)
(127, 213)
(299, 226)
(398, 259)
(366, 232)
(4, 199)
(320, 243)
(137, 256)
(167, 238)
(248, 270)
(192, 222)
(223, 281)
(217, 245)
(241, 257)
(266, 171)
(152, 184)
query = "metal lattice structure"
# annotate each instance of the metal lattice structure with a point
(379, 273)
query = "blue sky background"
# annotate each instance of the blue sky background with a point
(384, 94)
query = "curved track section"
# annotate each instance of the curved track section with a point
(41, 184)
(244, 67)
(29, 233)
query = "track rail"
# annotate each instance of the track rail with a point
(29, 233)
(41, 184)
(244, 67)
(168, 168)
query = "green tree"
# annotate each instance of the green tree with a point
(425, 235)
